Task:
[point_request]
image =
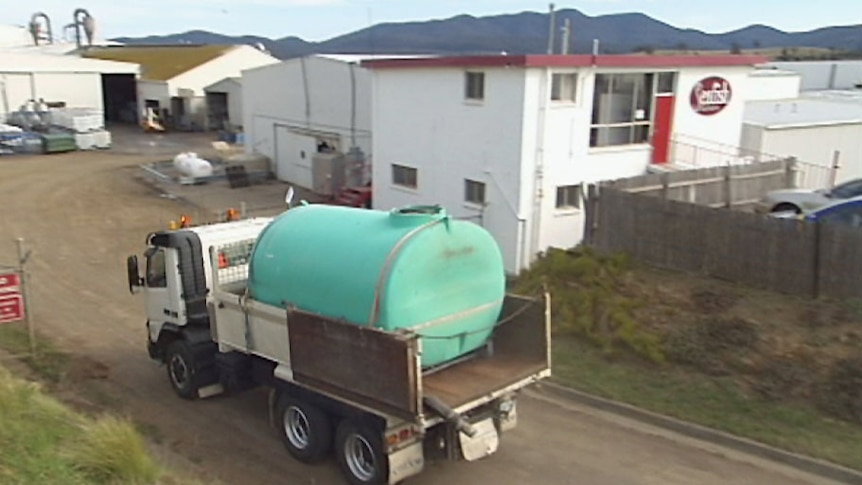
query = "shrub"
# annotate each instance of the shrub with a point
(589, 299)
(111, 450)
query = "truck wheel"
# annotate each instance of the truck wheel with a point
(360, 454)
(181, 369)
(305, 430)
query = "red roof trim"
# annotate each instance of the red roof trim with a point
(631, 61)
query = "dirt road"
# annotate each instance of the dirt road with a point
(83, 213)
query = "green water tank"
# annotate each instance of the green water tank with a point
(413, 268)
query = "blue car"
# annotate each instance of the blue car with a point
(846, 212)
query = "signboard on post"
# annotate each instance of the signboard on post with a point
(11, 298)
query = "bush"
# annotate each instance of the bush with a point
(589, 299)
(111, 450)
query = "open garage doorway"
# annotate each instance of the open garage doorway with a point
(120, 98)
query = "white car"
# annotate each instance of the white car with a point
(805, 200)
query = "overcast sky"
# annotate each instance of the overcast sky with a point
(322, 19)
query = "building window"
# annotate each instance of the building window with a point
(474, 86)
(404, 176)
(666, 83)
(621, 109)
(564, 87)
(474, 192)
(569, 197)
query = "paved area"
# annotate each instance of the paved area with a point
(82, 213)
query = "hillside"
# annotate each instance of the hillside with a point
(527, 32)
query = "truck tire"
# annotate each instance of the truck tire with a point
(360, 454)
(305, 430)
(182, 371)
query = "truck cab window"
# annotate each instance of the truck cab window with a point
(156, 274)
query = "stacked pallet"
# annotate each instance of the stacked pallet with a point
(86, 124)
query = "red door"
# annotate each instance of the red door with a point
(662, 126)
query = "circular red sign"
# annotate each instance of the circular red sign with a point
(711, 95)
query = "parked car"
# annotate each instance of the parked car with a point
(805, 200)
(846, 212)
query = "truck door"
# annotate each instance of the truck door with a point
(162, 286)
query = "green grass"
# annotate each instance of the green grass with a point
(112, 450)
(714, 402)
(43, 441)
(50, 363)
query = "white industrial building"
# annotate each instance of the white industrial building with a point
(292, 108)
(511, 141)
(56, 78)
(819, 75)
(823, 133)
(224, 103)
(173, 78)
(774, 84)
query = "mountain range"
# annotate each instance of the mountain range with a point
(527, 33)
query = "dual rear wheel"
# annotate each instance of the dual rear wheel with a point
(307, 432)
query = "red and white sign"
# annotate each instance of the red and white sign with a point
(9, 283)
(711, 95)
(11, 308)
(11, 299)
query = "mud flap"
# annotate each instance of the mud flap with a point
(406, 462)
(483, 443)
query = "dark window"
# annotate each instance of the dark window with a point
(156, 274)
(621, 109)
(564, 87)
(475, 85)
(666, 83)
(474, 192)
(404, 176)
(569, 197)
(847, 190)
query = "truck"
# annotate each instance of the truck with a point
(385, 401)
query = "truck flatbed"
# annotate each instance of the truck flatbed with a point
(380, 370)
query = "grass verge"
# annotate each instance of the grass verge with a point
(718, 403)
(50, 364)
(44, 441)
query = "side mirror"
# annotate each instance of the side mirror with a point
(288, 198)
(135, 280)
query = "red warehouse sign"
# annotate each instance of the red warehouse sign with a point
(9, 283)
(711, 95)
(11, 307)
(11, 300)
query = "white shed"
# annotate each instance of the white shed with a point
(72, 80)
(814, 131)
(224, 102)
(817, 75)
(773, 84)
(293, 107)
(173, 77)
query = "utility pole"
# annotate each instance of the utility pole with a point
(567, 35)
(551, 30)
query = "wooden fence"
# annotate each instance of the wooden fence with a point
(725, 186)
(784, 255)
